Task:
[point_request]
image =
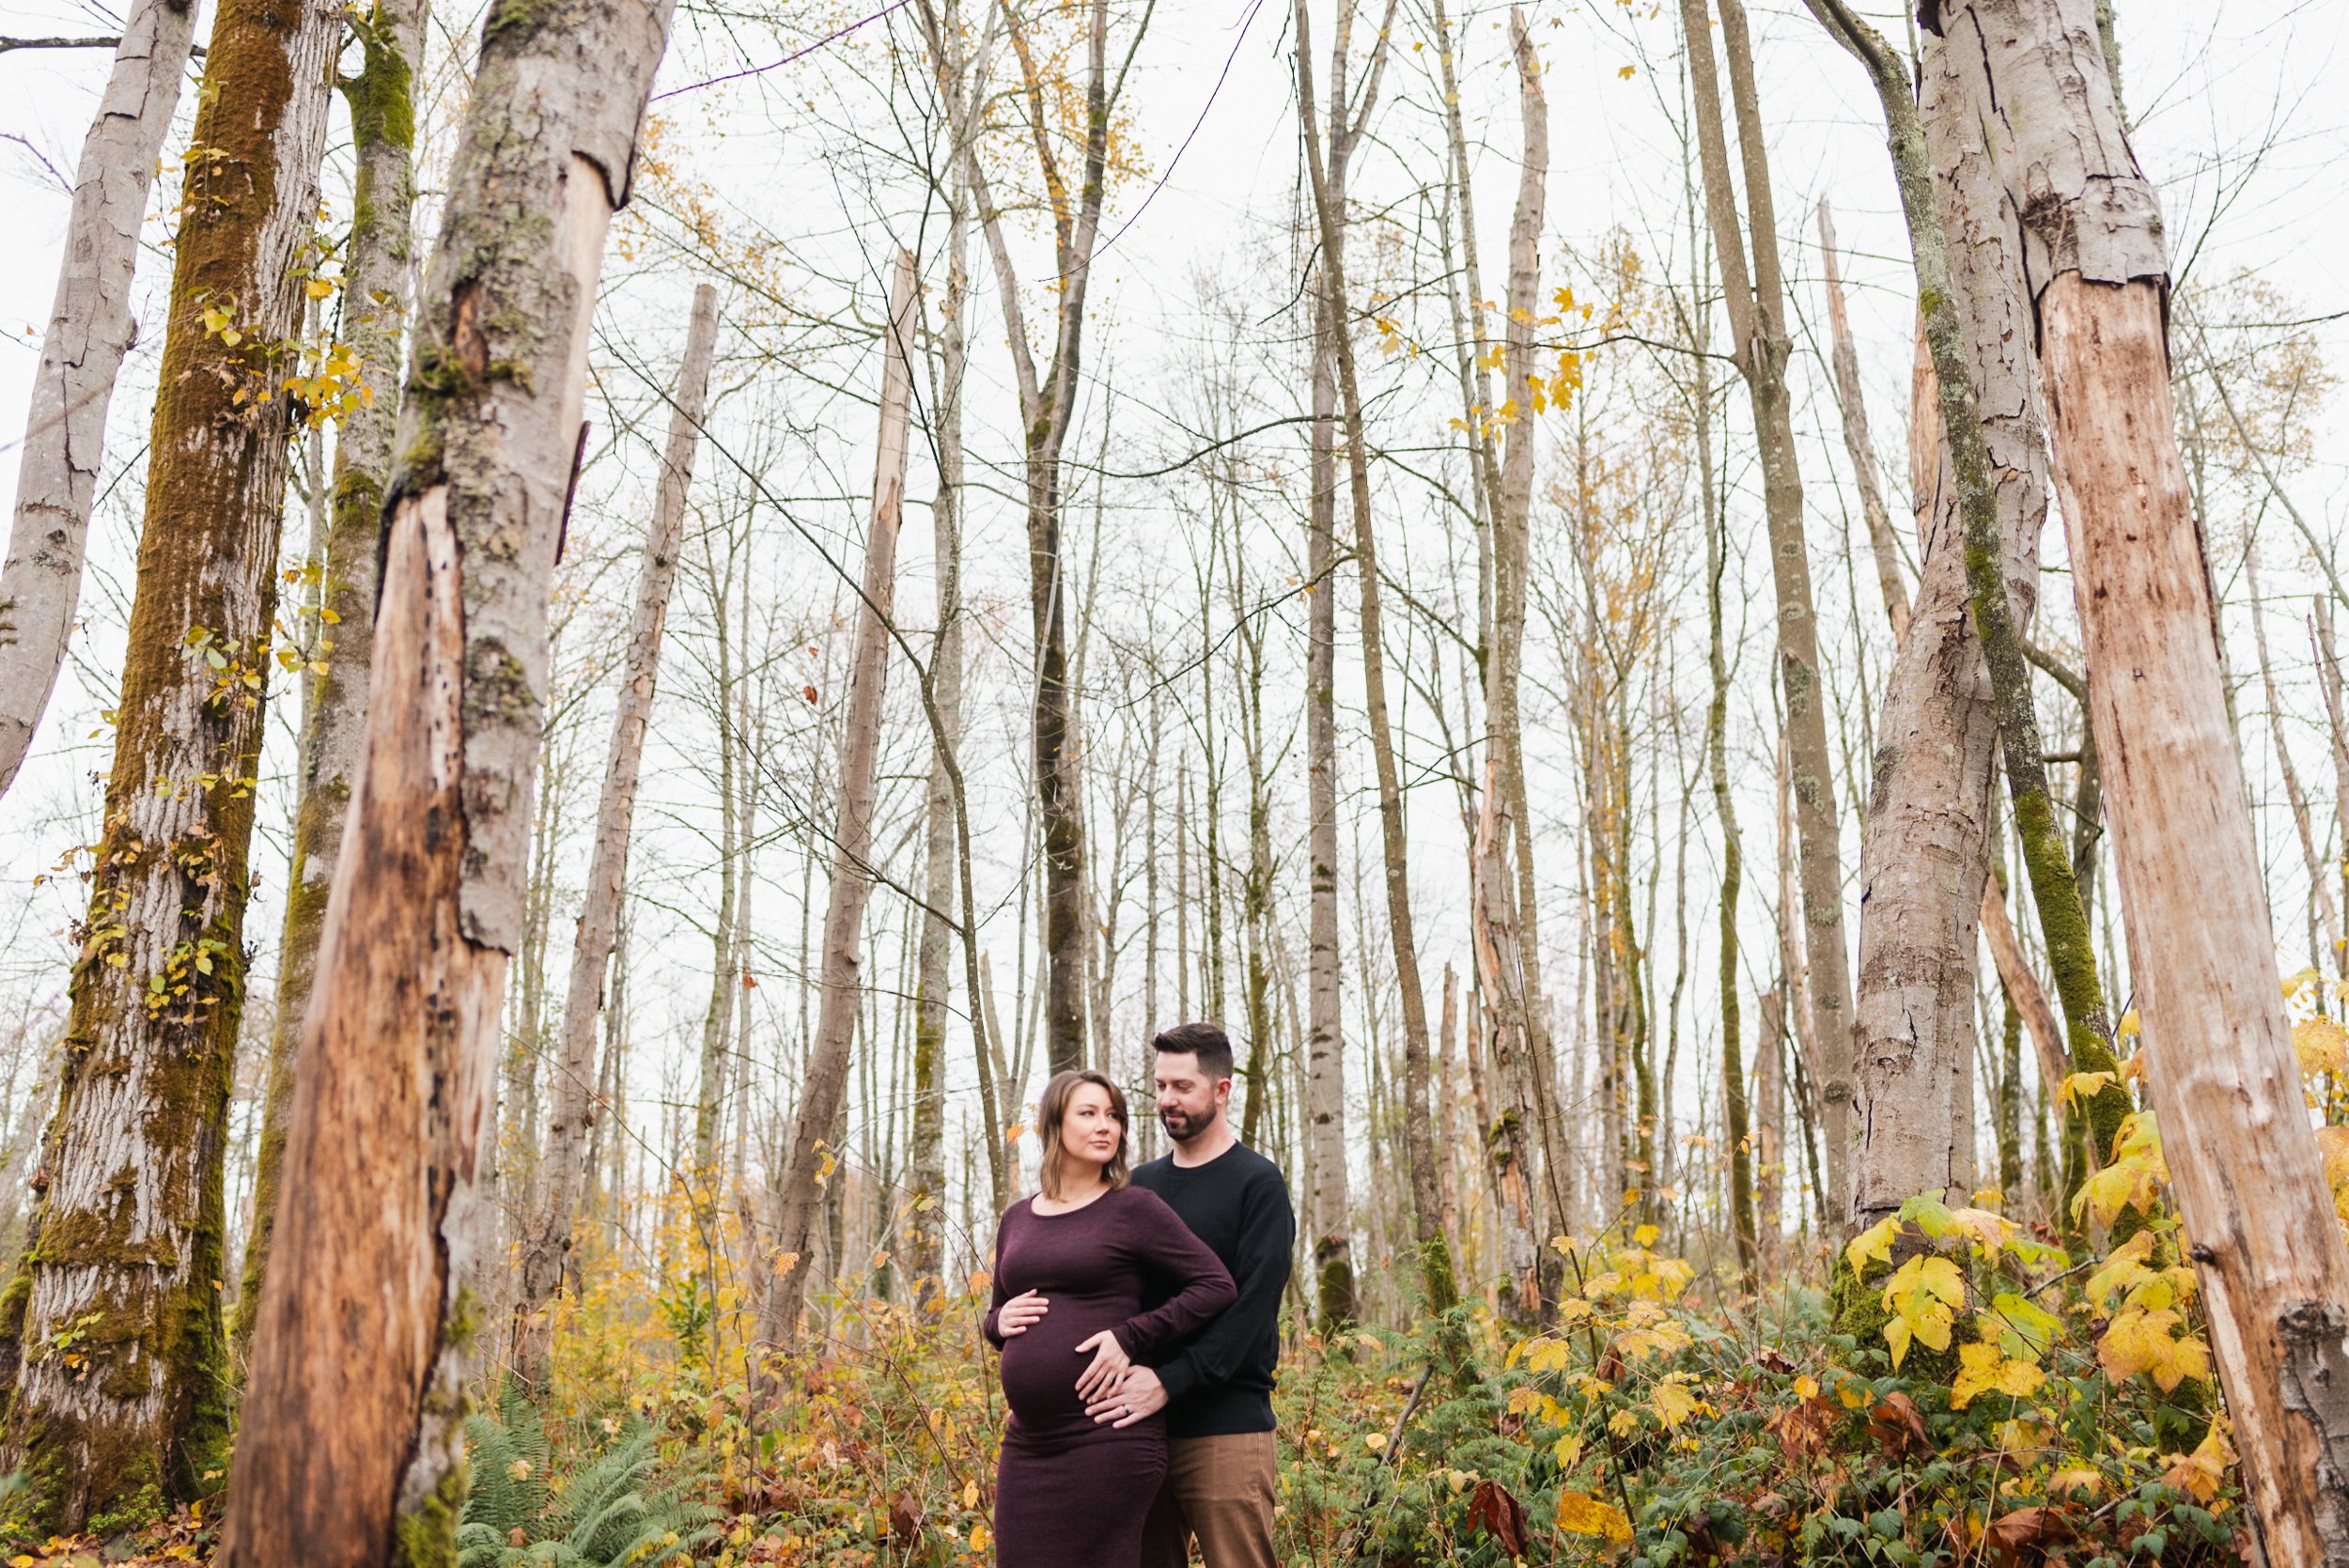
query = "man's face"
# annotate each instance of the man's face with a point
(1188, 1099)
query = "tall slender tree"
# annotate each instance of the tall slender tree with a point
(90, 330)
(1755, 296)
(547, 1258)
(815, 1149)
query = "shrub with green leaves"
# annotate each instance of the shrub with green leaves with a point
(604, 1514)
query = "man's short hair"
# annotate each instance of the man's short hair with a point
(1206, 1041)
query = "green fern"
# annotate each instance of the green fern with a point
(600, 1517)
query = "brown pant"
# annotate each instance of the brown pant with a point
(1218, 1490)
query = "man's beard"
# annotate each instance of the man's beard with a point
(1181, 1126)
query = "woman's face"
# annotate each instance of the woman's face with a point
(1089, 1129)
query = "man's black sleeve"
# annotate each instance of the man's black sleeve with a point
(1261, 1271)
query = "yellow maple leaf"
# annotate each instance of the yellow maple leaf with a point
(1580, 1513)
(2139, 1340)
(1874, 1242)
(1983, 1369)
(1673, 1401)
(1922, 1295)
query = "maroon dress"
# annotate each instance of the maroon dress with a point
(1070, 1493)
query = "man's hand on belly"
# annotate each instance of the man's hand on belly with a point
(1107, 1368)
(1139, 1396)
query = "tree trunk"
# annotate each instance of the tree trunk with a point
(926, 1160)
(546, 1258)
(1756, 304)
(130, 1220)
(2243, 1161)
(2336, 726)
(350, 1451)
(333, 723)
(1973, 314)
(1512, 562)
(90, 331)
(1861, 447)
(813, 1154)
(1436, 1271)
(1047, 405)
(1328, 1200)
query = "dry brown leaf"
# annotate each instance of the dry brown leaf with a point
(1494, 1509)
(1899, 1428)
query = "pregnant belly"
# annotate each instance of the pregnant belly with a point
(1040, 1368)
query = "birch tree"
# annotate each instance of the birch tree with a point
(89, 331)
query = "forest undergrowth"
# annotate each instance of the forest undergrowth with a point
(1972, 1391)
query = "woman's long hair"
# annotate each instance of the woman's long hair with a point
(1053, 1109)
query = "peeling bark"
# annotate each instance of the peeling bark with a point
(334, 722)
(90, 331)
(351, 1447)
(2221, 1072)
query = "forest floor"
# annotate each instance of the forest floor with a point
(1983, 1399)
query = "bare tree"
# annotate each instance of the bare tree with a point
(814, 1150)
(90, 331)
(1755, 297)
(548, 1259)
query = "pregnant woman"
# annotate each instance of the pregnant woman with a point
(1071, 1268)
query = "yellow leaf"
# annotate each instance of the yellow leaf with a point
(2077, 1482)
(1626, 72)
(1805, 1386)
(2322, 1047)
(1673, 1403)
(1982, 1370)
(2140, 1340)
(318, 288)
(1874, 1242)
(2083, 1086)
(1569, 1451)
(1580, 1513)
(970, 1494)
(1623, 1424)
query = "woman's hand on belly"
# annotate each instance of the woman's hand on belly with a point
(1019, 1313)
(1107, 1368)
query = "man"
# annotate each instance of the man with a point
(1216, 1387)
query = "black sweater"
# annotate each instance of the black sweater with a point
(1218, 1379)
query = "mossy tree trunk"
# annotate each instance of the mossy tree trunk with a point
(90, 331)
(333, 719)
(1755, 297)
(548, 1259)
(814, 1150)
(350, 1450)
(113, 1326)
